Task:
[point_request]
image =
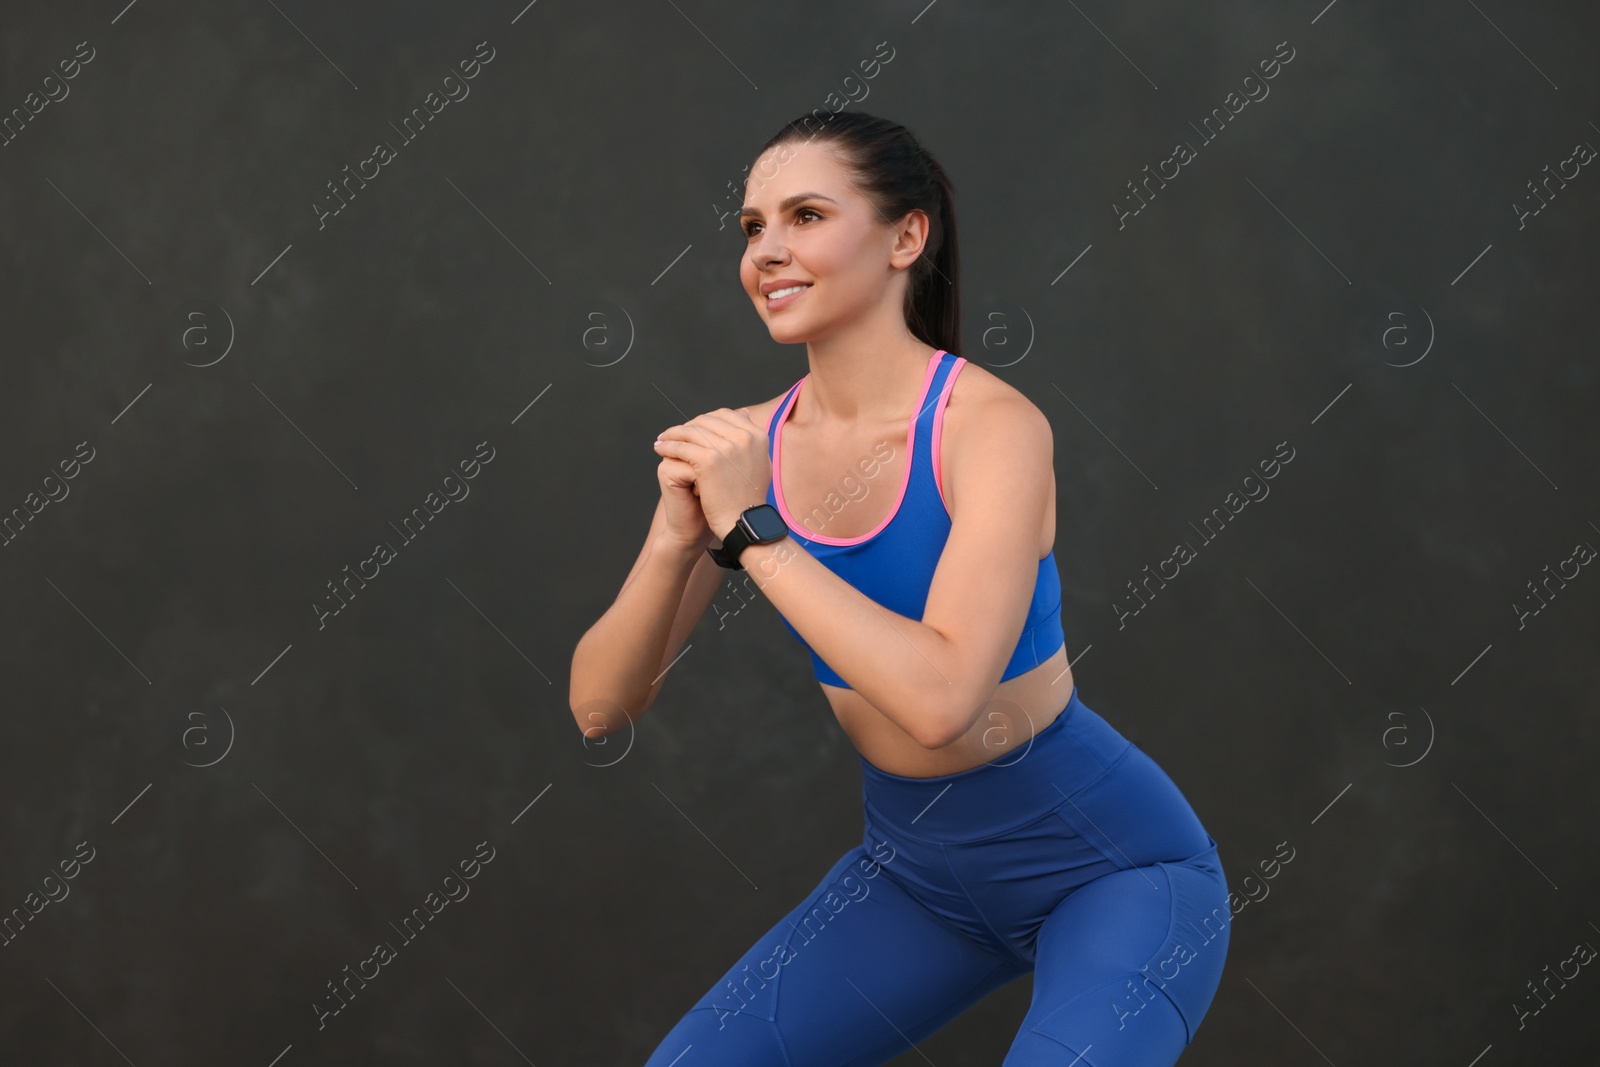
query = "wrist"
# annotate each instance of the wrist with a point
(683, 551)
(723, 525)
(766, 560)
(755, 525)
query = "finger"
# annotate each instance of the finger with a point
(730, 435)
(740, 417)
(719, 432)
(729, 416)
(678, 473)
(690, 452)
(692, 431)
(724, 424)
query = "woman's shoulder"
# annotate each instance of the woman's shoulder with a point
(761, 413)
(979, 399)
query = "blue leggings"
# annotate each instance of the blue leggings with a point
(1076, 858)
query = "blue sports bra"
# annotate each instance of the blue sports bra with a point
(894, 563)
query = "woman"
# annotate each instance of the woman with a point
(1008, 828)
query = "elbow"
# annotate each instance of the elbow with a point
(954, 707)
(941, 738)
(948, 724)
(599, 717)
(586, 726)
(580, 714)
(594, 709)
(945, 709)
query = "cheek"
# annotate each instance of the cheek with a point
(847, 258)
(852, 281)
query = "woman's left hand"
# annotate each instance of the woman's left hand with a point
(728, 452)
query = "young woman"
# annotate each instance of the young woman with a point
(897, 507)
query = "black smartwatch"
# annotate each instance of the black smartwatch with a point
(757, 525)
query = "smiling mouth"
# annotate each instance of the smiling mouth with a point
(784, 294)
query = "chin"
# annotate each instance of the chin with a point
(781, 329)
(788, 335)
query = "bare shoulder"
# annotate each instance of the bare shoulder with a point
(761, 413)
(983, 405)
(991, 426)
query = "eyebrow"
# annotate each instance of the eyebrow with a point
(789, 203)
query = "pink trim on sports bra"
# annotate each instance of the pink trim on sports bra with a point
(938, 428)
(905, 482)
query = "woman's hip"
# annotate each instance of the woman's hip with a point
(1079, 765)
(993, 851)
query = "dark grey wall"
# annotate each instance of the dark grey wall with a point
(541, 280)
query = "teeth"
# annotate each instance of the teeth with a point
(776, 293)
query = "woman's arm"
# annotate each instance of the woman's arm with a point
(932, 677)
(620, 664)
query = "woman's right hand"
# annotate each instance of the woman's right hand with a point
(686, 522)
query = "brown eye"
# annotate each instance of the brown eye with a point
(749, 226)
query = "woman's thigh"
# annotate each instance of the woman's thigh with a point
(855, 974)
(1126, 968)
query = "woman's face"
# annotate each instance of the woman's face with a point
(805, 223)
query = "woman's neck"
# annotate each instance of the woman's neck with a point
(852, 387)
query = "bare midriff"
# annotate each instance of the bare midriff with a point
(1017, 709)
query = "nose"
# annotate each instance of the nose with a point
(768, 250)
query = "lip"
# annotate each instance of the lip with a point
(783, 302)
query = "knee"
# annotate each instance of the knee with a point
(1121, 1023)
(1035, 1049)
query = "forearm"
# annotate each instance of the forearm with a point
(904, 668)
(616, 663)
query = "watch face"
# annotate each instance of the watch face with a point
(767, 523)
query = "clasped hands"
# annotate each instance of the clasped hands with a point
(720, 458)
